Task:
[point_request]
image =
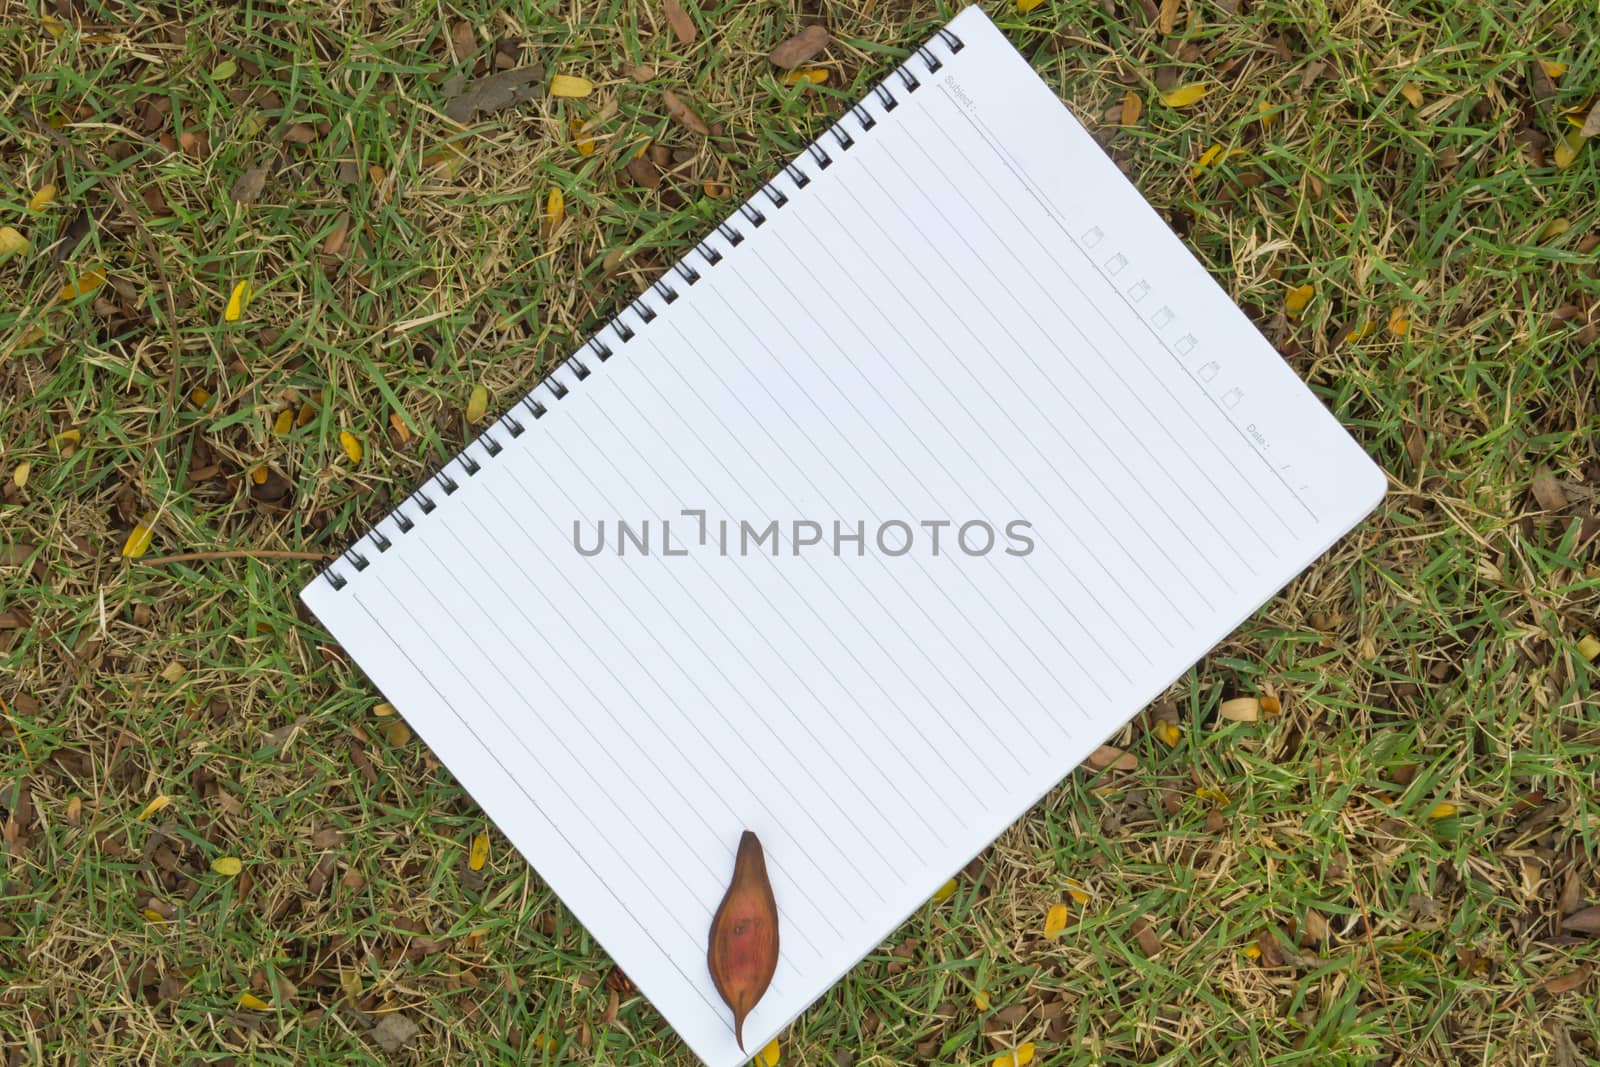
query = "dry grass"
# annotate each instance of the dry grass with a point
(1300, 902)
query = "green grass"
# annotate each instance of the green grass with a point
(1430, 659)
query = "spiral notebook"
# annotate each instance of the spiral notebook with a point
(884, 507)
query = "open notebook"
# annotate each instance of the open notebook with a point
(932, 465)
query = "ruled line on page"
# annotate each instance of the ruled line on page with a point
(756, 628)
(1004, 327)
(619, 773)
(856, 824)
(959, 735)
(756, 335)
(1019, 172)
(1008, 747)
(734, 774)
(980, 425)
(582, 857)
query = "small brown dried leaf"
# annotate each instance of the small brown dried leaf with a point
(1591, 125)
(643, 172)
(1566, 983)
(1583, 921)
(1145, 935)
(300, 133)
(463, 41)
(248, 186)
(1571, 898)
(1167, 19)
(683, 27)
(683, 114)
(1547, 490)
(1110, 756)
(800, 48)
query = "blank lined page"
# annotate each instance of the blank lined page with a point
(925, 486)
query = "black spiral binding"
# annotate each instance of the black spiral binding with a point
(568, 372)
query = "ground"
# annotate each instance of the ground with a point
(1399, 863)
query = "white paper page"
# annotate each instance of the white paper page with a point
(969, 315)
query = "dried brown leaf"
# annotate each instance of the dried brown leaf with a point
(1571, 898)
(1167, 19)
(300, 133)
(1110, 756)
(394, 1031)
(1547, 490)
(248, 186)
(463, 41)
(683, 114)
(643, 172)
(1591, 125)
(683, 27)
(1566, 983)
(800, 48)
(496, 92)
(1145, 935)
(1583, 921)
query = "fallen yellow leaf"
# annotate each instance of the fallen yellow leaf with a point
(253, 1002)
(284, 422)
(306, 414)
(477, 404)
(1365, 330)
(578, 128)
(1399, 322)
(1567, 149)
(812, 76)
(480, 852)
(1055, 920)
(1252, 951)
(769, 1056)
(1017, 1057)
(139, 538)
(1184, 95)
(567, 85)
(1297, 299)
(1553, 69)
(199, 396)
(384, 710)
(155, 916)
(1412, 94)
(1132, 108)
(11, 242)
(980, 1000)
(1207, 792)
(30, 335)
(259, 475)
(1169, 733)
(1588, 646)
(154, 806)
(227, 866)
(87, 282)
(1442, 811)
(43, 198)
(236, 302)
(555, 208)
(1206, 159)
(71, 436)
(351, 445)
(397, 732)
(52, 25)
(1075, 890)
(1266, 114)
(945, 892)
(1025, 6)
(19, 478)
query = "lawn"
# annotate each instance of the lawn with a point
(267, 285)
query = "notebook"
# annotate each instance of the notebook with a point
(860, 529)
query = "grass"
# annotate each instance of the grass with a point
(1276, 892)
